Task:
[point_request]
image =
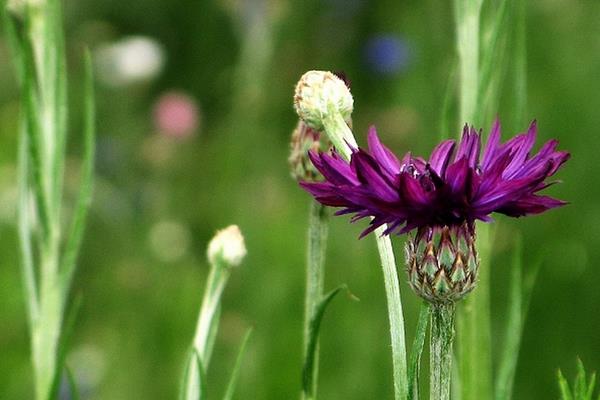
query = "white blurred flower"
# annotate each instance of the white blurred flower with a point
(227, 246)
(130, 60)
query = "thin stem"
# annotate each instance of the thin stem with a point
(342, 138)
(394, 303)
(315, 274)
(416, 352)
(339, 133)
(442, 336)
(207, 321)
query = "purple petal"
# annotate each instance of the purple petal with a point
(440, 157)
(382, 154)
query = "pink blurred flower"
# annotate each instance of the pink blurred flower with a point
(176, 114)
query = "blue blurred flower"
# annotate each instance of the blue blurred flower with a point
(387, 54)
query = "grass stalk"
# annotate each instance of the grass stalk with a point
(35, 33)
(315, 275)
(442, 338)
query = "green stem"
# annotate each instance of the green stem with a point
(416, 352)
(206, 328)
(394, 303)
(442, 336)
(342, 138)
(315, 274)
(209, 311)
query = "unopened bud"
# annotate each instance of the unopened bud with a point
(227, 247)
(304, 139)
(318, 93)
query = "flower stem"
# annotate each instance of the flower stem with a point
(315, 274)
(208, 322)
(442, 337)
(342, 138)
(394, 302)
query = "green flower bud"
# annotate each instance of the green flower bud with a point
(320, 93)
(442, 263)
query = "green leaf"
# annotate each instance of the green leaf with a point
(565, 391)
(84, 199)
(514, 328)
(582, 389)
(236, 368)
(474, 328)
(63, 345)
(447, 127)
(313, 339)
(417, 351)
(493, 59)
(193, 384)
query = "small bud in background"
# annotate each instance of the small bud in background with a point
(227, 247)
(176, 115)
(130, 60)
(304, 138)
(442, 263)
(318, 93)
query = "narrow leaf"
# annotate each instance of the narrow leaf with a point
(448, 104)
(590, 390)
(565, 391)
(236, 368)
(63, 345)
(313, 338)
(514, 328)
(417, 351)
(193, 384)
(84, 199)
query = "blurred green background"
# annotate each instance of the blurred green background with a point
(194, 118)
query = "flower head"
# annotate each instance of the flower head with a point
(454, 187)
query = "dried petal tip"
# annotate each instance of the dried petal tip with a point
(227, 247)
(317, 94)
(442, 263)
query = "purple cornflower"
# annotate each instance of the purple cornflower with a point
(454, 187)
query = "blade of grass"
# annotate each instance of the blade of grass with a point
(24, 224)
(231, 386)
(514, 329)
(84, 198)
(193, 383)
(65, 338)
(416, 352)
(474, 328)
(447, 125)
(313, 339)
(59, 99)
(565, 391)
(315, 276)
(492, 58)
